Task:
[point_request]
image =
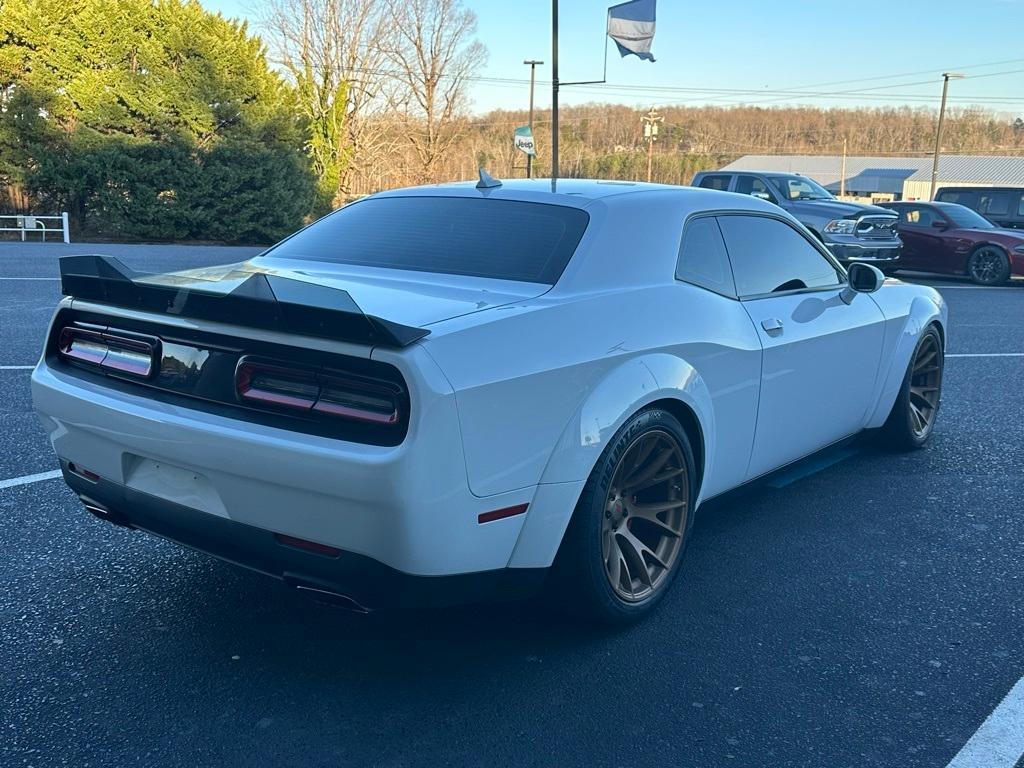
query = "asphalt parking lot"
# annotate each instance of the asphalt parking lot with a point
(865, 609)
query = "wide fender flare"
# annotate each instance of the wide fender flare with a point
(924, 311)
(623, 391)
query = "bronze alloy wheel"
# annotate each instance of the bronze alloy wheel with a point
(645, 515)
(925, 385)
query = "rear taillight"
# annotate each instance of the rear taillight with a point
(115, 351)
(317, 391)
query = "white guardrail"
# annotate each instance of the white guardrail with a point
(27, 224)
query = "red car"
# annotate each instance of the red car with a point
(953, 239)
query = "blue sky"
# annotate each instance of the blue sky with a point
(728, 52)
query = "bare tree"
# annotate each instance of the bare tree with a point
(334, 51)
(433, 54)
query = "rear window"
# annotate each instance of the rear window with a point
(502, 239)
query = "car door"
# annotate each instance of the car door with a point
(923, 246)
(820, 355)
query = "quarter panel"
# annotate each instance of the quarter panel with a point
(540, 391)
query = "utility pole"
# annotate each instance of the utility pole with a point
(946, 77)
(529, 158)
(651, 120)
(842, 172)
(554, 92)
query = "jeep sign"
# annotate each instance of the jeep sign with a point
(524, 140)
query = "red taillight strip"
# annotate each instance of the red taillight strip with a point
(91, 352)
(309, 546)
(109, 350)
(83, 472)
(319, 399)
(128, 356)
(248, 387)
(359, 414)
(501, 514)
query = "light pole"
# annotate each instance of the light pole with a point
(946, 77)
(529, 158)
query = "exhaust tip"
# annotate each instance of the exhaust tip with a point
(103, 513)
(333, 599)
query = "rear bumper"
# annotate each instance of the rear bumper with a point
(361, 581)
(407, 507)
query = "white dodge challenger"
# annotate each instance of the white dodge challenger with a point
(463, 392)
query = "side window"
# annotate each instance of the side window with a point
(910, 215)
(919, 216)
(749, 185)
(718, 181)
(702, 257)
(769, 256)
(995, 203)
(1020, 205)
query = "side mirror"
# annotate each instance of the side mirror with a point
(939, 224)
(762, 196)
(861, 278)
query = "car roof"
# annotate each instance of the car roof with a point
(771, 174)
(985, 188)
(934, 203)
(576, 193)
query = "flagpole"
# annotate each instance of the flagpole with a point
(554, 93)
(555, 84)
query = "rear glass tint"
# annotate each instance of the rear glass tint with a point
(502, 239)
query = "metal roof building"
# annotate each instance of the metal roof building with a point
(894, 178)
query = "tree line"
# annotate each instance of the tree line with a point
(606, 140)
(159, 120)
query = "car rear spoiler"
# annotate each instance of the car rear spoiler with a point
(260, 301)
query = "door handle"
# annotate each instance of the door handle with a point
(772, 326)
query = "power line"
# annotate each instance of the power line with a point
(626, 89)
(894, 76)
(905, 74)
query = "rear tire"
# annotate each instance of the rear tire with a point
(912, 418)
(626, 540)
(988, 265)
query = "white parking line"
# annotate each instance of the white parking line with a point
(54, 279)
(26, 479)
(16, 367)
(986, 354)
(999, 742)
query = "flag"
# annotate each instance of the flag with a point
(631, 26)
(524, 140)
